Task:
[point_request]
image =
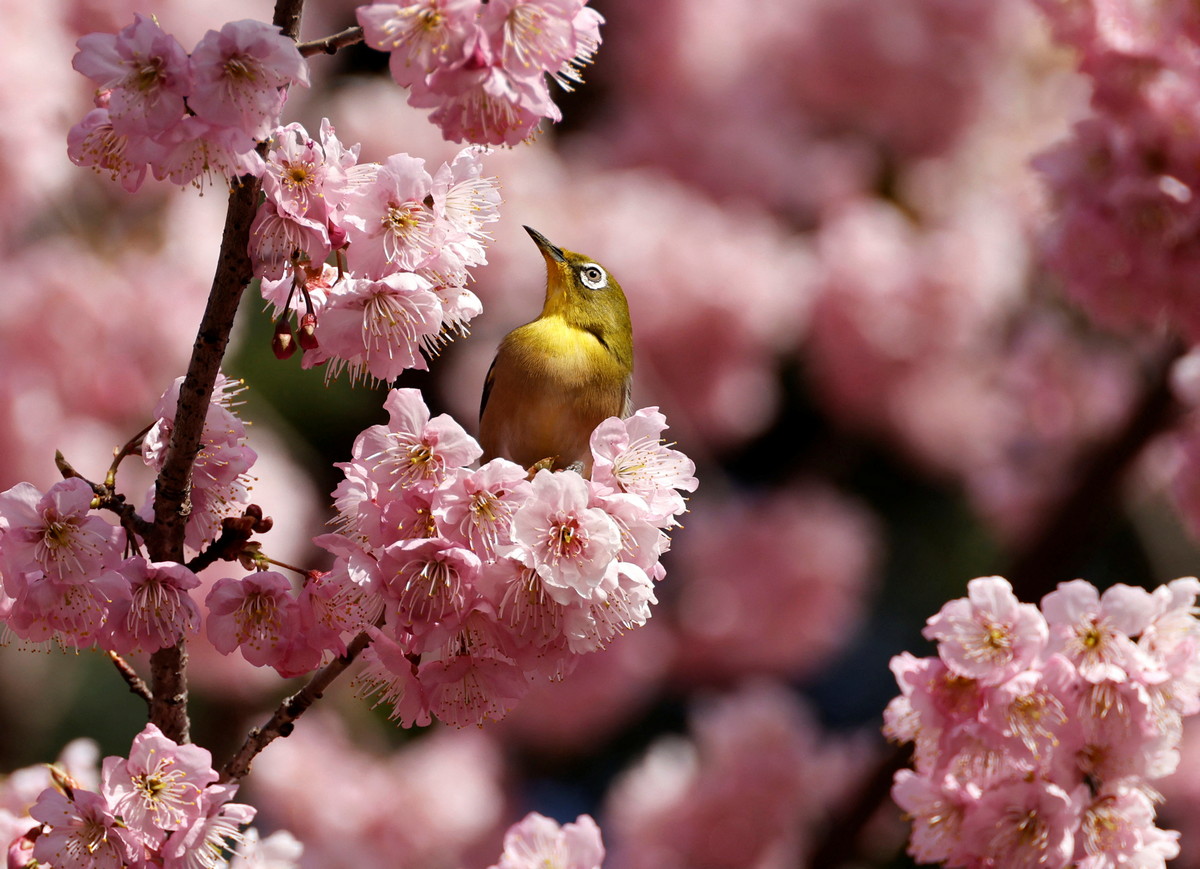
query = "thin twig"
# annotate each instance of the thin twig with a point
(331, 44)
(132, 679)
(281, 723)
(234, 543)
(108, 499)
(841, 840)
(132, 447)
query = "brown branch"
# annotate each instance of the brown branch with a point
(331, 44)
(164, 542)
(840, 843)
(132, 447)
(282, 722)
(234, 542)
(172, 488)
(132, 679)
(108, 499)
(1060, 545)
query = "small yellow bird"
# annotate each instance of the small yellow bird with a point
(555, 379)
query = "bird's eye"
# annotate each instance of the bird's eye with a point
(593, 277)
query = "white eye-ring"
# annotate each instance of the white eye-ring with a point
(593, 277)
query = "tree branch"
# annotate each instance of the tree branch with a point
(172, 502)
(1055, 553)
(164, 542)
(331, 44)
(281, 723)
(132, 679)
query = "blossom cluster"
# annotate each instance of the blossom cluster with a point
(188, 118)
(1038, 732)
(1127, 183)
(161, 806)
(65, 577)
(472, 583)
(164, 806)
(482, 66)
(220, 473)
(408, 238)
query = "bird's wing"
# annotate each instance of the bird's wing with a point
(488, 382)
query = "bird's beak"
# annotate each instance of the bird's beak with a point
(548, 250)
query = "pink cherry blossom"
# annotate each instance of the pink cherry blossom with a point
(477, 507)
(256, 614)
(72, 613)
(420, 36)
(538, 841)
(241, 74)
(389, 226)
(988, 635)
(1030, 712)
(1093, 631)
(621, 602)
(485, 104)
(296, 174)
(1025, 825)
(629, 455)
(470, 680)
(159, 610)
(532, 36)
(196, 151)
(429, 581)
(391, 679)
(534, 618)
(1118, 830)
(470, 201)
(53, 532)
(146, 70)
(220, 473)
(93, 142)
(159, 787)
(377, 328)
(339, 603)
(937, 809)
(278, 241)
(413, 450)
(217, 827)
(84, 832)
(306, 185)
(567, 542)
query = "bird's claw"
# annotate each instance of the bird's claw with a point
(546, 464)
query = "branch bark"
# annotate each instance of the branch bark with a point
(281, 723)
(331, 44)
(168, 679)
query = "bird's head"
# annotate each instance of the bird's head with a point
(583, 293)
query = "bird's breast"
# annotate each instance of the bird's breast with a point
(553, 384)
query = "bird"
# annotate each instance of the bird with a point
(557, 377)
